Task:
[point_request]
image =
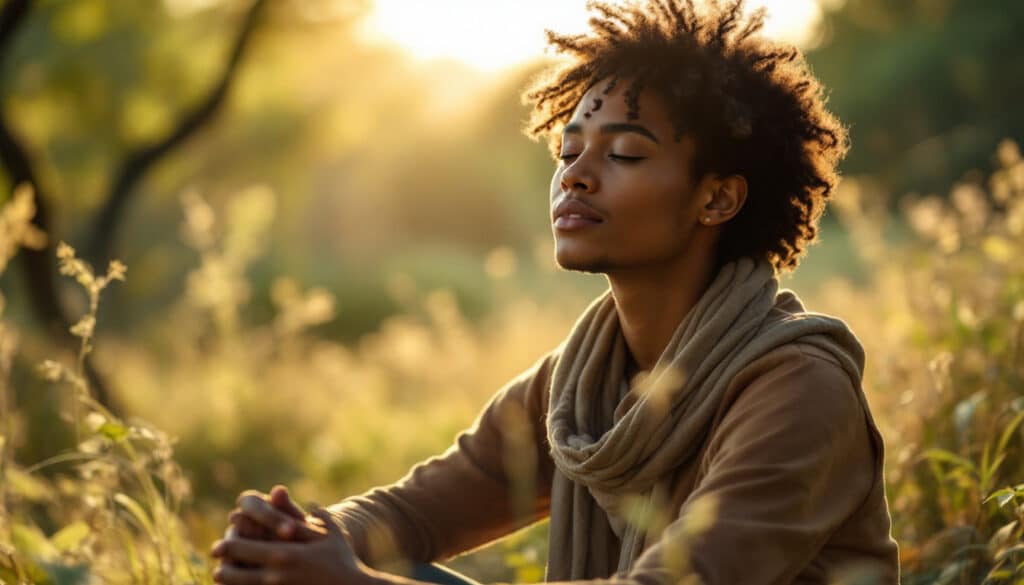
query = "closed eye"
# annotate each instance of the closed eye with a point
(623, 158)
(566, 158)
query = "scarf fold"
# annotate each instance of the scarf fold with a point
(610, 442)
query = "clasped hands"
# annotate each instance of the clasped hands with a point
(271, 541)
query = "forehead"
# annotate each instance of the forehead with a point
(597, 106)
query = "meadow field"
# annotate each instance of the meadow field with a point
(254, 242)
(218, 404)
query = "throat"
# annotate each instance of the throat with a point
(650, 311)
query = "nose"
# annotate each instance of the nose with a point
(578, 177)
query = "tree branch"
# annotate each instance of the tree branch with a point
(138, 163)
(39, 264)
(10, 18)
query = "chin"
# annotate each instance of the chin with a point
(577, 264)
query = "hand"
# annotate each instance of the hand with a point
(269, 517)
(328, 559)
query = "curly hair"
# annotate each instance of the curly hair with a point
(752, 105)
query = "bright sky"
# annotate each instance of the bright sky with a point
(495, 34)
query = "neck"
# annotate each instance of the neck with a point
(652, 303)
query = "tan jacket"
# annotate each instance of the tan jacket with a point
(792, 457)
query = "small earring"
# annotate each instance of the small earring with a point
(707, 218)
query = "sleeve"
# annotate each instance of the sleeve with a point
(494, 479)
(791, 460)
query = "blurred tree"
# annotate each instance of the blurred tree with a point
(928, 87)
(58, 29)
(381, 163)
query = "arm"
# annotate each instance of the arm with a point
(473, 493)
(790, 460)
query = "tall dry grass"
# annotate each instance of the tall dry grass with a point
(233, 404)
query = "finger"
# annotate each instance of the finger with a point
(280, 499)
(257, 552)
(306, 531)
(215, 549)
(248, 494)
(229, 575)
(259, 510)
(248, 528)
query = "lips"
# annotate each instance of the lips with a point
(572, 214)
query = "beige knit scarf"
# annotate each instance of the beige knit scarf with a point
(609, 444)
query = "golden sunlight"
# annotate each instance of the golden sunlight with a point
(498, 34)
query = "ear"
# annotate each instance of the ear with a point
(723, 198)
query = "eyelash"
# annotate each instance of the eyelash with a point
(565, 158)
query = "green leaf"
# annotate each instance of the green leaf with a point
(135, 564)
(1006, 494)
(1001, 496)
(1003, 536)
(1008, 432)
(530, 573)
(515, 559)
(944, 456)
(988, 471)
(113, 431)
(71, 536)
(984, 466)
(1017, 548)
(138, 512)
(27, 485)
(30, 540)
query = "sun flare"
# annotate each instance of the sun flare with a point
(498, 34)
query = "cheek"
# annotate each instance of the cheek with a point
(662, 199)
(657, 219)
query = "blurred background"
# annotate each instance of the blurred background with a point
(337, 248)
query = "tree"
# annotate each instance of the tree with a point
(40, 265)
(928, 87)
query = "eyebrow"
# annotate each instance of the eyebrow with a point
(614, 128)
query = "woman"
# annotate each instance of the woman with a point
(696, 421)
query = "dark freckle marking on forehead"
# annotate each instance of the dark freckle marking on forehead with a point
(598, 102)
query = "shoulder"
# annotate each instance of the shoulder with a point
(797, 369)
(797, 392)
(796, 416)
